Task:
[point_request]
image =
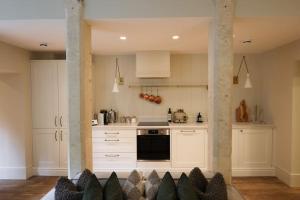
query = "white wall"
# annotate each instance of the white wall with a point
(277, 95)
(15, 113)
(185, 69)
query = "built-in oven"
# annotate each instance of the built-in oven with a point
(153, 144)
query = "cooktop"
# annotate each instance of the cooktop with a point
(153, 124)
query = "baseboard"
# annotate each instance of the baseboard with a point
(242, 172)
(13, 173)
(291, 179)
(49, 171)
(295, 180)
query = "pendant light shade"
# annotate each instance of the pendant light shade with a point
(248, 83)
(116, 86)
(117, 78)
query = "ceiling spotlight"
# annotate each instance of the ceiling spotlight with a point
(43, 44)
(175, 37)
(123, 38)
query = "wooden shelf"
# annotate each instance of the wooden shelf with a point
(168, 85)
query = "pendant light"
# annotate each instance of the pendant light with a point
(117, 78)
(248, 83)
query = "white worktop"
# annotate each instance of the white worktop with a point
(182, 125)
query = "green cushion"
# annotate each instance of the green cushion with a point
(185, 190)
(112, 188)
(167, 188)
(93, 189)
(198, 180)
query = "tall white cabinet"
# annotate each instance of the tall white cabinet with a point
(49, 117)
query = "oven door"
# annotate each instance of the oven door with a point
(153, 147)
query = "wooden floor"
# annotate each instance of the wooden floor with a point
(250, 188)
(265, 188)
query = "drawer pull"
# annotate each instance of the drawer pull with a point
(116, 133)
(116, 140)
(112, 155)
(188, 131)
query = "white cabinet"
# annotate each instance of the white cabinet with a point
(50, 116)
(44, 88)
(45, 148)
(189, 148)
(114, 149)
(252, 152)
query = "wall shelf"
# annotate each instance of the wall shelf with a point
(168, 85)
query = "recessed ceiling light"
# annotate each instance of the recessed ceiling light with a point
(175, 37)
(43, 44)
(123, 38)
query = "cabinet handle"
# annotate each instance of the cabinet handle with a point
(55, 135)
(55, 121)
(61, 136)
(112, 155)
(117, 133)
(241, 131)
(188, 131)
(106, 140)
(60, 121)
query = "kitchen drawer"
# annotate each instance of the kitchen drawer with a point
(114, 133)
(114, 144)
(114, 160)
(189, 131)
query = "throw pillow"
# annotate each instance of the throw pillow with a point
(151, 185)
(112, 188)
(93, 189)
(198, 180)
(167, 188)
(216, 189)
(66, 190)
(83, 179)
(134, 187)
(185, 190)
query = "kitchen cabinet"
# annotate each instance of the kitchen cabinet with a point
(50, 117)
(114, 149)
(189, 148)
(252, 152)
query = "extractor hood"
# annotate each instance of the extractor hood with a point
(153, 64)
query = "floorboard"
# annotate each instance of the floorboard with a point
(252, 188)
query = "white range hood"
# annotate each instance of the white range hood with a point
(153, 64)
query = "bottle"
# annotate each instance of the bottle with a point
(169, 115)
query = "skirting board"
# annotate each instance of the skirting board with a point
(13, 173)
(291, 179)
(49, 172)
(242, 172)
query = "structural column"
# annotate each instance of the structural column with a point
(78, 56)
(220, 87)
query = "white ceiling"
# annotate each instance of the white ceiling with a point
(153, 34)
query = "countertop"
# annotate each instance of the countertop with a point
(182, 125)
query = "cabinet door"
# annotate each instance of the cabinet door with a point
(255, 148)
(44, 94)
(235, 148)
(189, 148)
(46, 148)
(63, 94)
(63, 147)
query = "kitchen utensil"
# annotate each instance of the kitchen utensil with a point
(112, 116)
(133, 119)
(142, 94)
(157, 99)
(128, 120)
(180, 116)
(146, 96)
(151, 97)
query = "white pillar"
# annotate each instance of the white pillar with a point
(220, 86)
(78, 56)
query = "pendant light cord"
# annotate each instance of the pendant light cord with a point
(117, 72)
(243, 61)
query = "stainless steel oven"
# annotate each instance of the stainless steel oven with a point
(153, 144)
